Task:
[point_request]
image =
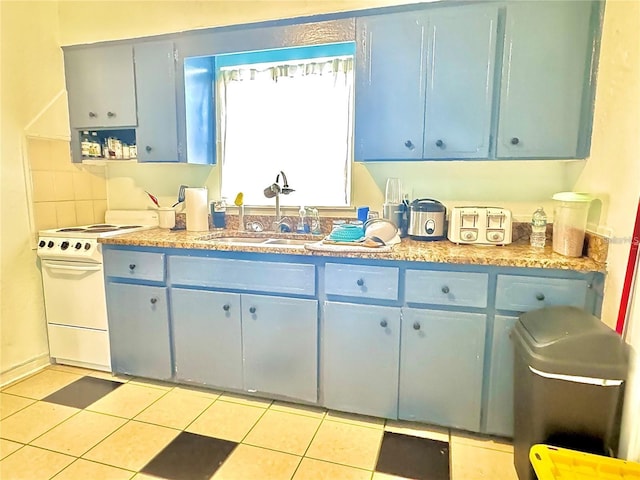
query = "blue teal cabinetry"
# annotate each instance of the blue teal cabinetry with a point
(157, 132)
(227, 337)
(360, 355)
(101, 86)
(207, 337)
(424, 83)
(441, 367)
(392, 339)
(516, 294)
(546, 94)
(138, 312)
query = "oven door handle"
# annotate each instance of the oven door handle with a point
(72, 268)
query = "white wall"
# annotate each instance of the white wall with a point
(31, 77)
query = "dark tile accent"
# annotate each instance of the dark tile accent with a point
(83, 392)
(413, 457)
(190, 457)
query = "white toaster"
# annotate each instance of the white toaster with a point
(480, 225)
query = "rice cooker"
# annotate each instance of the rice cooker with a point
(427, 219)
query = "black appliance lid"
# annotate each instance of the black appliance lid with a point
(568, 341)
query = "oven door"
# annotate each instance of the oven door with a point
(74, 294)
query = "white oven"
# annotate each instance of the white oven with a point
(74, 293)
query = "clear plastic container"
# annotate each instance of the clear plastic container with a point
(570, 222)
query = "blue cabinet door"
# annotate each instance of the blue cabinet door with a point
(461, 52)
(500, 397)
(157, 132)
(280, 346)
(101, 86)
(546, 67)
(389, 87)
(441, 367)
(359, 358)
(207, 337)
(139, 330)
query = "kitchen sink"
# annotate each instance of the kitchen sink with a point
(286, 241)
(262, 241)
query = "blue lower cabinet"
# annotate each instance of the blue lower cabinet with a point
(207, 337)
(500, 399)
(441, 367)
(280, 346)
(139, 330)
(359, 358)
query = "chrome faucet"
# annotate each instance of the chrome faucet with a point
(274, 190)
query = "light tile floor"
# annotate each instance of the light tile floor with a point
(144, 430)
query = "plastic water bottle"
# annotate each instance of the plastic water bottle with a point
(538, 228)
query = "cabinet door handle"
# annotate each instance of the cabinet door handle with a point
(515, 141)
(154, 300)
(111, 114)
(445, 289)
(409, 144)
(148, 148)
(540, 296)
(416, 326)
(383, 324)
(92, 114)
(132, 266)
(360, 282)
(226, 307)
(252, 310)
(439, 144)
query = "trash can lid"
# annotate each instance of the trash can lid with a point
(568, 341)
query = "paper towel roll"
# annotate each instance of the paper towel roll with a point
(196, 201)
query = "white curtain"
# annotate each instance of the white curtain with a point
(295, 118)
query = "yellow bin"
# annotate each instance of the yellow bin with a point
(554, 463)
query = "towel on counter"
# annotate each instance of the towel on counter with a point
(323, 246)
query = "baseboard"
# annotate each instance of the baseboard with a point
(21, 371)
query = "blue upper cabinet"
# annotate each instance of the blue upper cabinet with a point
(101, 87)
(424, 83)
(390, 86)
(157, 132)
(546, 91)
(460, 69)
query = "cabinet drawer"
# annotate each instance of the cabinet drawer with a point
(277, 277)
(361, 281)
(135, 265)
(522, 294)
(447, 288)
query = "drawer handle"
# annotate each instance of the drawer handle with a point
(148, 148)
(154, 300)
(111, 114)
(445, 289)
(383, 324)
(132, 266)
(360, 282)
(439, 144)
(226, 307)
(540, 296)
(515, 141)
(416, 326)
(409, 145)
(92, 115)
(252, 310)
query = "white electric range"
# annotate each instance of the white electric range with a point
(73, 284)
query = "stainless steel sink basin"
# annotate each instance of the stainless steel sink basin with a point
(262, 242)
(244, 240)
(286, 242)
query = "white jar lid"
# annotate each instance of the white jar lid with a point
(572, 197)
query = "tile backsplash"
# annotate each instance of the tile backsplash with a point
(63, 193)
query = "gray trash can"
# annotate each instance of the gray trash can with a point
(569, 376)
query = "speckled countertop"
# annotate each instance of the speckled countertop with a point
(518, 254)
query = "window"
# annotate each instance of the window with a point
(293, 115)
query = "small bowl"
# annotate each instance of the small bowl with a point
(382, 228)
